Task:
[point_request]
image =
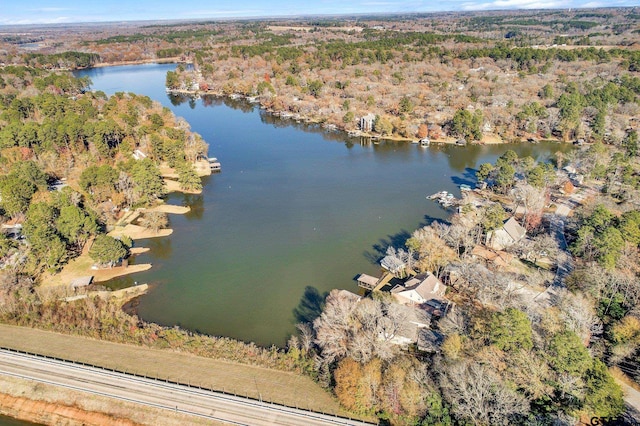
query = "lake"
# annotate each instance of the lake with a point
(297, 211)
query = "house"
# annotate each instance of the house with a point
(367, 281)
(419, 289)
(576, 178)
(406, 333)
(510, 233)
(366, 122)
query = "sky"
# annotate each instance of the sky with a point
(16, 12)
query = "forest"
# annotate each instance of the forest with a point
(416, 74)
(67, 166)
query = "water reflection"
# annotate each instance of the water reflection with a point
(467, 178)
(310, 306)
(196, 203)
(160, 247)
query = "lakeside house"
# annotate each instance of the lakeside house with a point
(507, 235)
(419, 289)
(366, 122)
(408, 329)
(367, 281)
(577, 179)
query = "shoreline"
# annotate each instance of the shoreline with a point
(83, 265)
(488, 138)
(173, 60)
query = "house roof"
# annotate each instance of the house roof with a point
(514, 229)
(414, 320)
(367, 279)
(427, 285)
(82, 281)
(498, 257)
(392, 264)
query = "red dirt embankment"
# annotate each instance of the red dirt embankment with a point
(55, 414)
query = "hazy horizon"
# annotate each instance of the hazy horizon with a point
(40, 12)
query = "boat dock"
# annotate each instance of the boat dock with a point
(370, 283)
(446, 199)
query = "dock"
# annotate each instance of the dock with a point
(446, 199)
(370, 283)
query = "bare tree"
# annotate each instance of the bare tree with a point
(456, 321)
(531, 198)
(477, 394)
(357, 329)
(334, 328)
(579, 314)
(154, 221)
(306, 337)
(126, 186)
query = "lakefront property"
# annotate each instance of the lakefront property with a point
(126, 245)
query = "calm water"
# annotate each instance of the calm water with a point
(295, 212)
(10, 421)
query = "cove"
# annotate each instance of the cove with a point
(296, 212)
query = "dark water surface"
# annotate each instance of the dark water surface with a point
(294, 208)
(10, 421)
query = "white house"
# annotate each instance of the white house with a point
(366, 122)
